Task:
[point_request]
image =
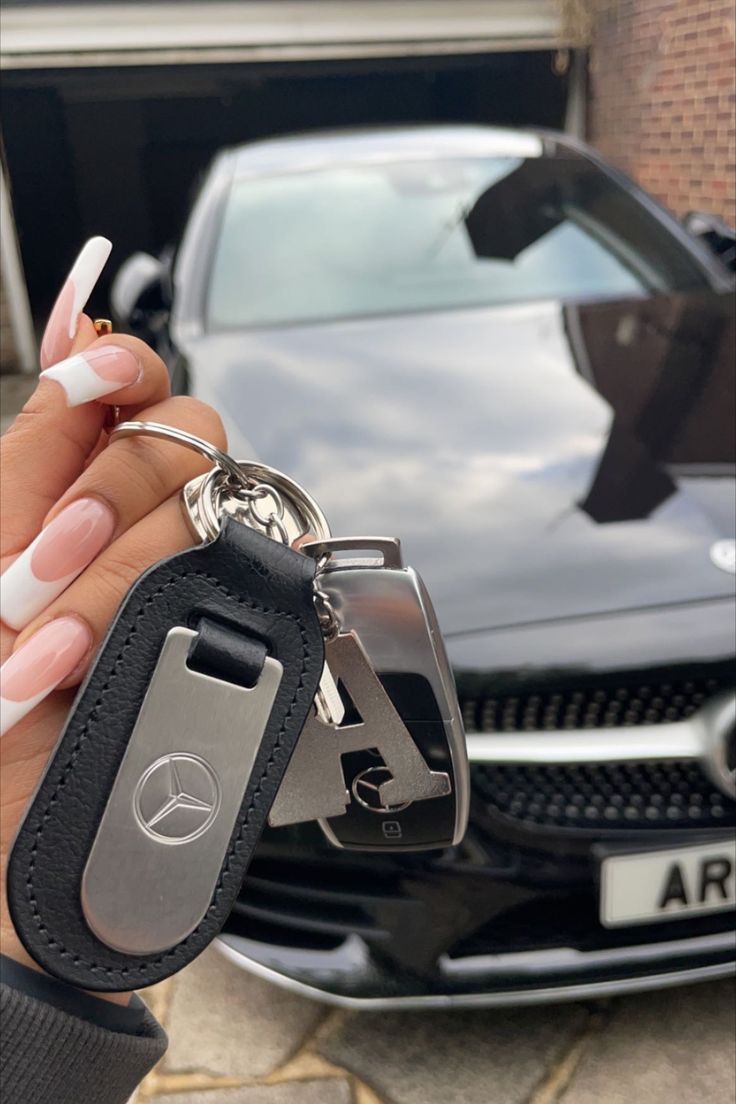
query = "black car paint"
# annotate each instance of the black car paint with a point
(529, 473)
(558, 473)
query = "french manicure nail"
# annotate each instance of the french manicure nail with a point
(96, 372)
(53, 560)
(39, 665)
(63, 322)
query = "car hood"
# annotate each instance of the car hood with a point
(538, 461)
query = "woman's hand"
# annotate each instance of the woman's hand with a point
(81, 520)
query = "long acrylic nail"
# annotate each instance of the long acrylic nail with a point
(63, 322)
(59, 553)
(39, 665)
(96, 372)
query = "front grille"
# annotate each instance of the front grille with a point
(626, 703)
(603, 796)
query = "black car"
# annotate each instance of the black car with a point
(497, 347)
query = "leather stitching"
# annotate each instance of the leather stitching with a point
(142, 967)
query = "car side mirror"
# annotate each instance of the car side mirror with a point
(139, 292)
(715, 233)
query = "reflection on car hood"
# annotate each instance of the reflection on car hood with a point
(538, 461)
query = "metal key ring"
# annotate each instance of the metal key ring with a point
(181, 437)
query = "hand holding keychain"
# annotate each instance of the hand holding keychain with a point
(81, 520)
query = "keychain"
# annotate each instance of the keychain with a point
(241, 683)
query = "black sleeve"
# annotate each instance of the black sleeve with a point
(61, 1046)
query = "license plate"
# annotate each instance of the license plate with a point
(668, 885)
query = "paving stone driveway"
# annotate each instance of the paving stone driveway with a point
(235, 1039)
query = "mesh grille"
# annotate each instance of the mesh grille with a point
(618, 706)
(604, 796)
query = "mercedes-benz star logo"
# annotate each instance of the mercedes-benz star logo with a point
(367, 790)
(177, 798)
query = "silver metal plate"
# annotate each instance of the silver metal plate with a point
(155, 861)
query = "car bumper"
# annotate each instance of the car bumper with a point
(643, 968)
(492, 922)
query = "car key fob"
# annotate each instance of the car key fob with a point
(141, 830)
(393, 774)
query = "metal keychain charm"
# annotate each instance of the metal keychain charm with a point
(406, 777)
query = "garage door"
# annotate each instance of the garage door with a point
(67, 34)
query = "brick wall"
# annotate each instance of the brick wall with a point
(663, 98)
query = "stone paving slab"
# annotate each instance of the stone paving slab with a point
(227, 1022)
(483, 1057)
(673, 1047)
(294, 1092)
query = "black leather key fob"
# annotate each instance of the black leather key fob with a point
(142, 828)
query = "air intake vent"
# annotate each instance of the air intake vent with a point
(604, 796)
(617, 706)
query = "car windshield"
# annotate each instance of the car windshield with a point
(394, 237)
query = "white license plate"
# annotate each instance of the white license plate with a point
(668, 885)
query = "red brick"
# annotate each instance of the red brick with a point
(663, 92)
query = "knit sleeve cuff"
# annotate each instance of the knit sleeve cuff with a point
(52, 1055)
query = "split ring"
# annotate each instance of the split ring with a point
(180, 437)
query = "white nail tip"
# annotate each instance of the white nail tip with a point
(80, 381)
(22, 595)
(85, 273)
(13, 711)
